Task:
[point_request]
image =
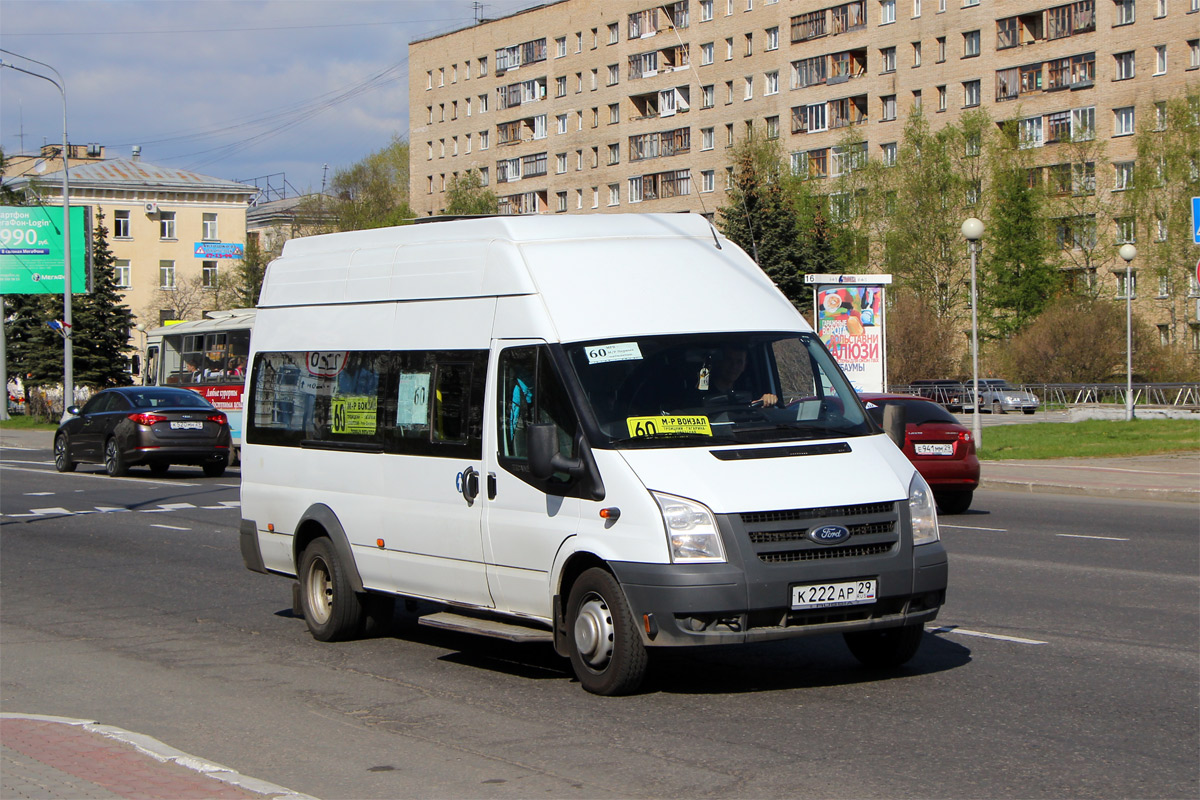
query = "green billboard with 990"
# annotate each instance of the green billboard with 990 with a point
(31, 249)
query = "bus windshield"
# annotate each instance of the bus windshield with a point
(722, 388)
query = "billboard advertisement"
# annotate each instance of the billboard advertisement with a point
(31, 249)
(850, 319)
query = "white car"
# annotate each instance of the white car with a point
(996, 396)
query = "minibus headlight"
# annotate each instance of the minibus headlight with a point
(923, 510)
(692, 535)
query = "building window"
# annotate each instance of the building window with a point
(941, 49)
(208, 274)
(560, 86)
(1194, 47)
(916, 8)
(1125, 66)
(887, 107)
(614, 113)
(887, 58)
(121, 225)
(773, 127)
(888, 154)
(1123, 287)
(484, 140)
(1160, 59)
(166, 225)
(1029, 132)
(614, 34)
(970, 44)
(707, 139)
(707, 96)
(970, 94)
(614, 154)
(1160, 8)
(1123, 121)
(707, 181)
(560, 45)
(1122, 175)
(560, 201)
(706, 54)
(887, 12)
(772, 38)
(483, 66)
(166, 274)
(614, 194)
(210, 227)
(772, 83)
(706, 10)
(1125, 12)
(123, 273)
(749, 44)
(749, 92)
(916, 46)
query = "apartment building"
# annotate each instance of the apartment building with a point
(170, 230)
(630, 106)
(578, 106)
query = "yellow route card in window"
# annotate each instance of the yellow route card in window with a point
(353, 414)
(658, 426)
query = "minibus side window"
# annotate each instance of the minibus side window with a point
(530, 392)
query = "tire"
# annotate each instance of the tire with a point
(954, 502)
(114, 461)
(887, 648)
(214, 470)
(606, 650)
(159, 468)
(331, 608)
(1029, 410)
(62, 454)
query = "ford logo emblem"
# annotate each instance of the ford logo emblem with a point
(829, 534)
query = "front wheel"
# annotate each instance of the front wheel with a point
(885, 648)
(1029, 410)
(62, 454)
(332, 609)
(114, 461)
(606, 649)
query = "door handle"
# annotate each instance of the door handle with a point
(491, 484)
(469, 485)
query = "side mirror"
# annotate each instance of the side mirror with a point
(73, 411)
(544, 458)
(894, 420)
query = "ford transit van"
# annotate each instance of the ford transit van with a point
(609, 433)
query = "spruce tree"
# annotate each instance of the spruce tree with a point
(101, 322)
(250, 274)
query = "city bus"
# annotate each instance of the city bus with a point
(207, 356)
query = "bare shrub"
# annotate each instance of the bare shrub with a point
(920, 344)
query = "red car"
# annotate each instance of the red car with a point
(941, 449)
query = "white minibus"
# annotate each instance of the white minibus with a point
(610, 433)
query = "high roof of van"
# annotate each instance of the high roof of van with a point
(648, 265)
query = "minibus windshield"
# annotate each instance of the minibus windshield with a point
(714, 389)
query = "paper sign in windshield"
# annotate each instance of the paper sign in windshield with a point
(668, 425)
(617, 351)
(353, 415)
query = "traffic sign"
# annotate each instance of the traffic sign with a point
(1196, 220)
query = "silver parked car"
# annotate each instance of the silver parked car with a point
(996, 396)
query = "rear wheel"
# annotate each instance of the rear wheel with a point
(996, 407)
(954, 502)
(606, 650)
(114, 461)
(331, 608)
(885, 648)
(62, 454)
(214, 470)
(159, 468)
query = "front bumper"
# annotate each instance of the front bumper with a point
(749, 598)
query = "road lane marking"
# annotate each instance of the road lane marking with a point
(56, 510)
(983, 635)
(144, 481)
(1081, 536)
(972, 528)
(38, 494)
(170, 527)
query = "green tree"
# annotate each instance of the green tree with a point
(373, 193)
(248, 277)
(760, 218)
(101, 322)
(466, 194)
(1166, 176)
(1019, 281)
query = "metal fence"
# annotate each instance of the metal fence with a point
(1066, 395)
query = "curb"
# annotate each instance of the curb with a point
(164, 753)
(1077, 490)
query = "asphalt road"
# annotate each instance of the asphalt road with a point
(1065, 664)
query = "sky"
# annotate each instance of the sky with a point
(234, 89)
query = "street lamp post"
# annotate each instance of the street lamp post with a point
(972, 230)
(68, 350)
(1128, 252)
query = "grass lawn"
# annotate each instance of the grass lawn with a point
(1089, 439)
(20, 422)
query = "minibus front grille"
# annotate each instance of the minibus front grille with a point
(850, 551)
(791, 515)
(800, 534)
